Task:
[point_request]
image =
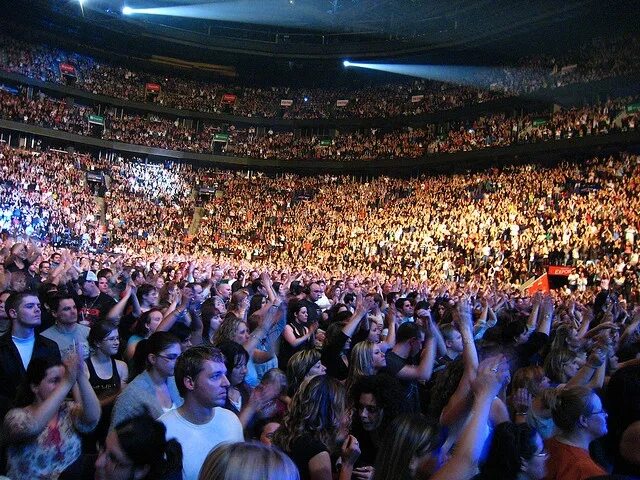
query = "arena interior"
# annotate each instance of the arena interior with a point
(319, 240)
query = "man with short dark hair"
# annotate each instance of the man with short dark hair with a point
(406, 309)
(201, 423)
(314, 313)
(411, 341)
(67, 332)
(21, 345)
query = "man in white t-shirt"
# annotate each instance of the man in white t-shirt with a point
(201, 423)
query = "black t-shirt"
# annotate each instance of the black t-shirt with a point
(395, 363)
(92, 310)
(332, 359)
(303, 450)
(11, 267)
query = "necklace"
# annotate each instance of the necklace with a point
(92, 303)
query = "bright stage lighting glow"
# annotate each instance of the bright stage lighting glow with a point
(271, 12)
(459, 74)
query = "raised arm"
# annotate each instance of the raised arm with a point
(546, 315)
(535, 308)
(89, 403)
(390, 321)
(424, 369)
(463, 463)
(22, 424)
(459, 401)
(363, 306)
(115, 314)
(177, 314)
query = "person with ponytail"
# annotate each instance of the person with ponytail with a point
(153, 386)
(137, 449)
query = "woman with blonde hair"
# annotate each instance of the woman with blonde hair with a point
(235, 329)
(367, 358)
(247, 461)
(302, 365)
(561, 365)
(316, 424)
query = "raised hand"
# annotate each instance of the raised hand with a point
(350, 451)
(493, 374)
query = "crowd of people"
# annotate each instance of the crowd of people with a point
(502, 225)
(495, 130)
(203, 371)
(181, 322)
(601, 58)
(45, 195)
(318, 327)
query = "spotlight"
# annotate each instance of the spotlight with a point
(127, 10)
(346, 63)
(306, 99)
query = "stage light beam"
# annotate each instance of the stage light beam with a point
(474, 76)
(127, 10)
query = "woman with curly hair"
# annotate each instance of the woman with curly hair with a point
(376, 401)
(316, 424)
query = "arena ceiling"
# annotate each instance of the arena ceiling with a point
(327, 29)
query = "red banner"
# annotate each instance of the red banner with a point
(560, 270)
(540, 284)
(152, 87)
(229, 98)
(67, 69)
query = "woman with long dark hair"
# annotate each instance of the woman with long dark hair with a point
(138, 449)
(297, 335)
(153, 387)
(106, 375)
(411, 446)
(516, 453)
